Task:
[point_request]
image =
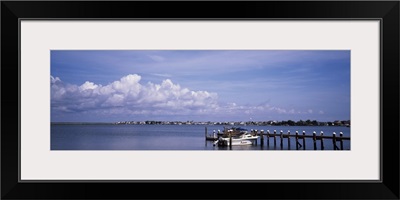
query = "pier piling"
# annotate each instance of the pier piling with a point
(274, 138)
(205, 133)
(255, 133)
(281, 139)
(262, 137)
(230, 141)
(341, 141)
(268, 137)
(297, 140)
(214, 134)
(315, 140)
(334, 141)
(288, 139)
(304, 140)
(322, 141)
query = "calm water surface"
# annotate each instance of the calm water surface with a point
(172, 137)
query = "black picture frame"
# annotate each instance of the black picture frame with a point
(386, 11)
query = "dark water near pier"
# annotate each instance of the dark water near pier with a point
(173, 137)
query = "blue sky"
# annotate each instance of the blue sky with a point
(199, 85)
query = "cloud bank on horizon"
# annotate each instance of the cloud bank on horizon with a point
(199, 85)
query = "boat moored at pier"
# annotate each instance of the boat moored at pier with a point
(243, 139)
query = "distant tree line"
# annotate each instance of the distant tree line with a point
(301, 123)
(242, 123)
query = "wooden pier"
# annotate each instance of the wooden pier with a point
(300, 139)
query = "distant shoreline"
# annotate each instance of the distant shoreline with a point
(250, 123)
(81, 123)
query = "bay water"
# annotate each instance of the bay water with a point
(175, 137)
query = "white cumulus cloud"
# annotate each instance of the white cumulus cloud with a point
(135, 97)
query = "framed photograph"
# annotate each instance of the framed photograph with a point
(276, 96)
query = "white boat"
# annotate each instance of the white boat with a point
(244, 139)
(241, 142)
(247, 136)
